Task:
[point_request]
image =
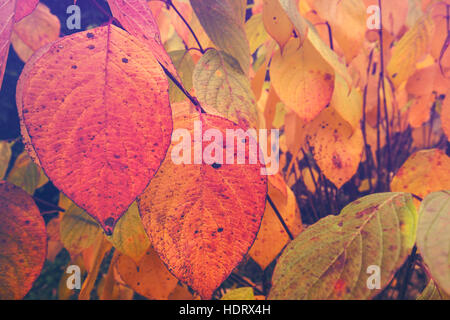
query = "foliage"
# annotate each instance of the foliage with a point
(101, 176)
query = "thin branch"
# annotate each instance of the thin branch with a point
(386, 114)
(330, 35)
(280, 218)
(48, 204)
(169, 2)
(181, 87)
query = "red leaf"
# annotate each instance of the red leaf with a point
(137, 18)
(101, 136)
(201, 218)
(23, 242)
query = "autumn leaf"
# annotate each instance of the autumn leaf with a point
(194, 213)
(433, 239)
(137, 18)
(300, 24)
(432, 292)
(302, 79)
(245, 293)
(329, 260)
(223, 21)
(276, 22)
(223, 89)
(26, 174)
(129, 236)
(11, 11)
(410, 48)
(23, 242)
(5, 156)
(272, 236)
(149, 277)
(347, 20)
(34, 31)
(185, 65)
(107, 67)
(256, 34)
(336, 146)
(424, 172)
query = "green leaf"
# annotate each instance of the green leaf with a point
(182, 60)
(223, 21)
(223, 89)
(432, 292)
(330, 259)
(129, 236)
(5, 156)
(433, 237)
(78, 230)
(26, 174)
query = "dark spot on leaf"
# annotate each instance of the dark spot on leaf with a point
(90, 35)
(124, 60)
(74, 67)
(216, 165)
(219, 229)
(91, 46)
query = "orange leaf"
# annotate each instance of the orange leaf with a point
(101, 136)
(202, 219)
(34, 31)
(424, 172)
(149, 277)
(11, 11)
(137, 18)
(23, 242)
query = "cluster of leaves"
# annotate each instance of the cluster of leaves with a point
(364, 121)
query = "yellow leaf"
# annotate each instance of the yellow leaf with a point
(26, 174)
(272, 237)
(245, 293)
(347, 20)
(424, 172)
(5, 156)
(348, 103)
(302, 79)
(149, 277)
(411, 47)
(277, 22)
(337, 148)
(256, 34)
(129, 236)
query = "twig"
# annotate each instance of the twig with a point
(386, 114)
(169, 2)
(48, 204)
(280, 218)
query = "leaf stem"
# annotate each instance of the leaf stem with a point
(170, 3)
(48, 204)
(280, 218)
